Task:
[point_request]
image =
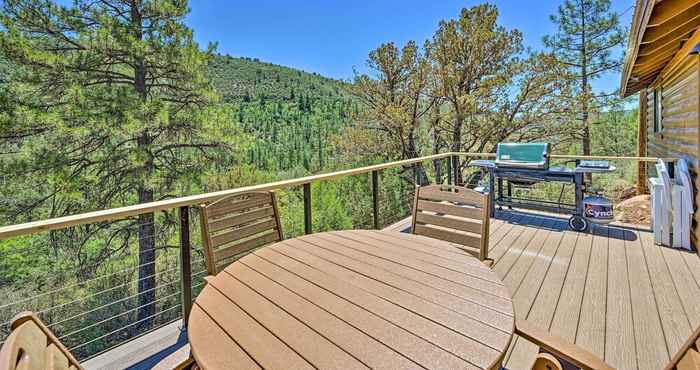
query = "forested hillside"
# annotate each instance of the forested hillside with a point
(291, 114)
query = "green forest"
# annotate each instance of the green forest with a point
(113, 103)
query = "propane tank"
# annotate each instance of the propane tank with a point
(597, 209)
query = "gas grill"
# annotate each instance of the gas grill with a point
(526, 164)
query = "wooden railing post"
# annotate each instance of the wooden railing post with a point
(307, 208)
(185, 264)
(375, 198)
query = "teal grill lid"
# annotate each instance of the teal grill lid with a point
(523, 155)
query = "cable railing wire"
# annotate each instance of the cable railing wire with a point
(78, 284)
(115, 302)
(117, 315)
(75, 285)
(195, 274)
(111, 303)
(122, 328)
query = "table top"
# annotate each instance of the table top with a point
(353, 299)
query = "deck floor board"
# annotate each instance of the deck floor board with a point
(620, 347)
(673, 317)
(591, 330)
(685, 284)
(613, 292)
(652, 352)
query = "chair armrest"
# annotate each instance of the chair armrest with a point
(560, 347)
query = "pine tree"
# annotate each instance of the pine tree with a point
(115, 92)
(472, 57)
(587, 36)
(395, 101)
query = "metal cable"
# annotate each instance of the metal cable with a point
(108, 304)
(122, 328)
(115, 316)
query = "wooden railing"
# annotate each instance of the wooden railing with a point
(183, 204)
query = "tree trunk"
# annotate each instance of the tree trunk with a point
(419, 175)
(437, 164)
(147, 265)
(586, 137)
(147, 245)
(585, 131)
(147, 228)
(457, 146)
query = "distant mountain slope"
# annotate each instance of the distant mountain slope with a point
(239, 79)
(291, 113)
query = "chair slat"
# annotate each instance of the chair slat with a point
(450, 236)
(457, 194)
(225, 207)
(242, 232)
(228, 252)
(224, 223)
(449, 209)
(471, 226)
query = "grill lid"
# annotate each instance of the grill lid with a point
(523, 155)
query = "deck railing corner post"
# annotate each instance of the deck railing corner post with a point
(307, 208)
(455, 168)
(185, 264)
(375, 199)
(449, 170)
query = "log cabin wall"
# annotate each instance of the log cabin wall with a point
(662, 65)
(679, 134)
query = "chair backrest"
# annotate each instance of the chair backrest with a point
(455, 214)
(688, 357)
(32, 346)
(238, 224)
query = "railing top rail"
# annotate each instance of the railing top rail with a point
(137, 209)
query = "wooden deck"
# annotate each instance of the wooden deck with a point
(612, 291)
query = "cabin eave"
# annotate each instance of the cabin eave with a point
(662, 34)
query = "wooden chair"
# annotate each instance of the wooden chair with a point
(557, 353)
(236, 225)
(31, 345)
(455, 214)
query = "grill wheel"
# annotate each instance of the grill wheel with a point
(578, 223)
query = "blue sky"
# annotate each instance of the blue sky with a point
(333, 37)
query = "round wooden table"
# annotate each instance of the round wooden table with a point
(353, 299)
